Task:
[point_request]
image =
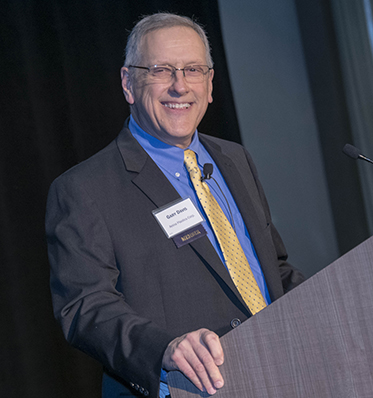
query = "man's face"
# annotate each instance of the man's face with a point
(153, 103)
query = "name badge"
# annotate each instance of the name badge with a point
(178, 217)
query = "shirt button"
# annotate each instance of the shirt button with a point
(235, 322)
(177, 174)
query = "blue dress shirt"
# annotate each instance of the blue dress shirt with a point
(170, 159)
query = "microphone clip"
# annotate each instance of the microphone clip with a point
(207, 171)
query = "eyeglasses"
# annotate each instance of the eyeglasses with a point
(164, 73)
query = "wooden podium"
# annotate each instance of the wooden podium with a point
(316, 341)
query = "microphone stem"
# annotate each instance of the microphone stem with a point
(365, 158)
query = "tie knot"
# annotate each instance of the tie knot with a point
(190, 159)
(189, 156)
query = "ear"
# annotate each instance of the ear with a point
(210, 85)
(127, 85)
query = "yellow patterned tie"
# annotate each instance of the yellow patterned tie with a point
(234, 256)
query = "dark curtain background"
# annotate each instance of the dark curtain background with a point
(61, 101)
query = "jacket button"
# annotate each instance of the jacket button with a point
(235, 322)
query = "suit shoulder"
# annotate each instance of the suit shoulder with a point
(231, 149)
(93, 167)
(221, 142)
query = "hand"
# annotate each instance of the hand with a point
(198, 355)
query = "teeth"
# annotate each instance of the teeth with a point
(177, 106)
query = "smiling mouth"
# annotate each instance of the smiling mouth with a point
(174, 105)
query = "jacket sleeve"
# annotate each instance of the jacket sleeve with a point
(94, 316)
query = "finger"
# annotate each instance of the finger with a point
(182, 364)
(204, 368)
(212, 343)
(174, 358)
(184, 358)
(209, 373)
(191, 355)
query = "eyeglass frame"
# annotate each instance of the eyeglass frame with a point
(174, 69)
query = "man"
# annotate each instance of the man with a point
(125, 290)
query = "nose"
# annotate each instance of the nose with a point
(179, 84)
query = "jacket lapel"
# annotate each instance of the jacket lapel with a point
(249, 206)
(146, 174)
(251, 209)
(155, 185)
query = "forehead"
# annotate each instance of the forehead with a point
(176, 45)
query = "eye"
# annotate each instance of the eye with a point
(194, 69)
(158, 70)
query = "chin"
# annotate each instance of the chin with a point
(182, 136)
(181, 131)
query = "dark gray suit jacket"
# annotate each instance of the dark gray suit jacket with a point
(121, 290)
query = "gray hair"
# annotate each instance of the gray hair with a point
(159, 21)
